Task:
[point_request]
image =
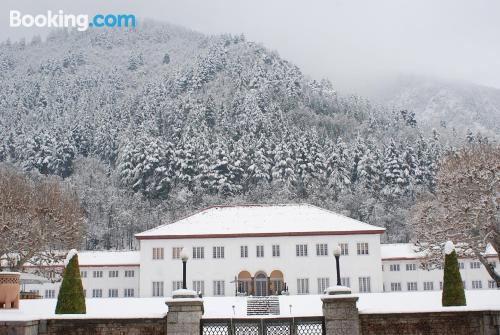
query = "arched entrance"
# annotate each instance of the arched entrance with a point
(261, 284)
(277, 282)
(244, 282)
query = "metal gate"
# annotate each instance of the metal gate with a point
(271, 326)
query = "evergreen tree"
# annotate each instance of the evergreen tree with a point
(453, 288)
(71, 299)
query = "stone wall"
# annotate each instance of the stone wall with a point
(443, 323)
(18, 327)
(85, 327)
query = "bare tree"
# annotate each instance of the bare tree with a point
(465, 208)
(38, 219)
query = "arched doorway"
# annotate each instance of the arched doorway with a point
(277, 282)
(244, 282)
(261, 284)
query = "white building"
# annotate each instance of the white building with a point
(402, 270)
(260, 250)
(264, 248)
(103, 273)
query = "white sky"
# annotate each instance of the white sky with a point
(354, 43)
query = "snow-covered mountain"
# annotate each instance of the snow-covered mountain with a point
(450, 106)
(150, 124)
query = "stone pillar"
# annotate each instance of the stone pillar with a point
(340, 312)
(184, 313)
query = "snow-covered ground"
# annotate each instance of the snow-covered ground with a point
(235, 307)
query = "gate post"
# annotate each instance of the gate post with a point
(340, 312)
(184, 314)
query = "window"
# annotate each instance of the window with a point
(463, 283)
(129, 273)
(493, 264)
(364, 284)
(412, 286)
(50, 294)
(97, 274)
(157, 253)
(96, 293)
(176, 252)
(128, 292)
(303, 286)
(199, 286)
(260, 251)
(218, 252)
(411, 267)
(428, 286)
(35, 291)
(344, 249)
(461, 265)
(176, 285)
(492, 284)
(113, 274)
(113, 293)
(276, 250)
(395, 287)
(394, 267)
(219, 288)
(84, 293)
(323, 284)
(477, 284)
(198, 252)
(322, 249)
(83, 274)
(157, 289)
(301, 250)
(345, 281)
(440, 285)
(244, 251)
(475, 265)
(362, 248)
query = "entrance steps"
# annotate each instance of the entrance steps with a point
(263, 305)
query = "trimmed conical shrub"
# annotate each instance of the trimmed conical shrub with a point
(453, 288)
(71, 299)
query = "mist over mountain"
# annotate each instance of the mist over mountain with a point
(149, 124)
(453, 107)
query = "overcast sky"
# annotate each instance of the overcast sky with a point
(354, 43)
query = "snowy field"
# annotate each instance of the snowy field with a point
(227, 307)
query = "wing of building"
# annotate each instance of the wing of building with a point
(262, 250)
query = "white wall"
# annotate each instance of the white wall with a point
(105, 283)
(436, 276)
(293, 267)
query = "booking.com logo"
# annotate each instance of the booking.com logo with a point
(81, 22)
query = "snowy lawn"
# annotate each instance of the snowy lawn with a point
(222, 307)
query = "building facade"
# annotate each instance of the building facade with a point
(402, 270)
(262, 250)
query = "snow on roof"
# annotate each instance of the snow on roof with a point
(88, 258)
(490, 251)
(397, 251)
(103, 258)
(402, 251)
(261, 220)
(222, 307)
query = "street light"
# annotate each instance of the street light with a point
(184, 257)
(337, 253)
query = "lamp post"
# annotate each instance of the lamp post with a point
(337, 253)
(184, 257)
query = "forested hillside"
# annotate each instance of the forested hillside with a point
(149, 124)
(453, 107)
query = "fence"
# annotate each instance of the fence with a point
(266, 326)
